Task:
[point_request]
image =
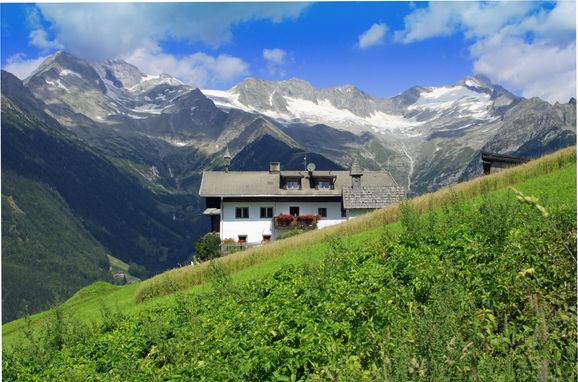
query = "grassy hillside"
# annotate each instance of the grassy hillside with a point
(468, 284)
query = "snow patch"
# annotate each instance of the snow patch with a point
(58, 83)
(66, 72)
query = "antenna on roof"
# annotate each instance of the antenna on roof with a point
(305, 161)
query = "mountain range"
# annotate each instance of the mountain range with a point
(122, 152)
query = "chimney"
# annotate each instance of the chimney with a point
(274, 167)
(356, 173)
(227, 159)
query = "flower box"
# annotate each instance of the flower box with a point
(306, 221)
(283, 220)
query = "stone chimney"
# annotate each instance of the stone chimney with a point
(274, 167)
(227, 159)
(356, 173)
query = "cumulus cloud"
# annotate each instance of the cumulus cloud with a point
(111, 30)
(198, 69)
(373, 36)
(275, 56)
(276, 59)
(22, 67)
(473, 18)
(39, 38)
(520, 45)
(544, 70)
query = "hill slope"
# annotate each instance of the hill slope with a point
(448, 295)
(127, 219)
(43, 244)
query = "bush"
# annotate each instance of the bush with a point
(293, 232)
(208, 247)
(139, 271)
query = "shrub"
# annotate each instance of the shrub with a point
(208, 247)
(137, 270)
(293, 232)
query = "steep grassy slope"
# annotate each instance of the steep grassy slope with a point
(475, 288)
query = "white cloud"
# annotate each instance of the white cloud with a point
(373, 36)
(39, 38)
(520, 45)
(110, 30)
(473, 18)
(544, 70)
(275, 56)
(276, 59)
(198, 69)
(20, 66)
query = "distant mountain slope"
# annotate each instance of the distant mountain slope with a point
(100, 200)
(257, 156)
(47, 253)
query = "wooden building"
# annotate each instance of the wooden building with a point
(493, 162)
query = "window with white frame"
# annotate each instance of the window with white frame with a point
(266, 212)
(242, 212)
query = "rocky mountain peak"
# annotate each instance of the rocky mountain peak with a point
(62, 70)
(120, 73)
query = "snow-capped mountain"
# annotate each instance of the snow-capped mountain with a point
(425, 136)
(415, 112)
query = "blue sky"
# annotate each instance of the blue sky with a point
(382, 48)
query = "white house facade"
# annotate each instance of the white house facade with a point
(258, 206)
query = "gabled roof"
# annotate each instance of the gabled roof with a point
(372, 196)
(264, 183)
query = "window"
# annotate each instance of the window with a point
(322, 211)
(294, 211)
(242, 212)
(293, 184)
(266, 238)
(242, 238)
(324, 184)
(266, 212)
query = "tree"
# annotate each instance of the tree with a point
(208, 247)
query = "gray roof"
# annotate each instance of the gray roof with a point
(264, 183)
(356, 168)
(372, 196)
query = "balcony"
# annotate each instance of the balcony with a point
(286, 221)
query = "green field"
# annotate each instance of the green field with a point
(465, 284)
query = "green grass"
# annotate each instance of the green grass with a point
(555, 183)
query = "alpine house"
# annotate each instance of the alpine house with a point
(253, 207)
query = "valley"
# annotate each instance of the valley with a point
(124, 151)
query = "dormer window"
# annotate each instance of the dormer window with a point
(324, 183)
(293, 184)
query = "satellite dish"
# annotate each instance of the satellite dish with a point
(311, 167)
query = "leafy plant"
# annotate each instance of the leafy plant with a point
(290, 233)
(208, 247)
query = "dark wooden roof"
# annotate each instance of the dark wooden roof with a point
(494, 157)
